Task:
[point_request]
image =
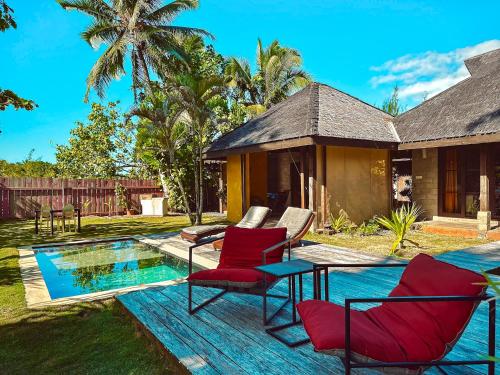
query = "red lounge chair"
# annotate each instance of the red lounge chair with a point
(242, 251)
(413, 329)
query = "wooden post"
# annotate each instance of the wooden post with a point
(221, 188)
(484, 214)
(302, 178)
(312, 183)
(243, 184)
(484, 182)
(322, 180)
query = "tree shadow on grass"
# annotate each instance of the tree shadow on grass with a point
(87, 338)
(14, 233)
(9, 275)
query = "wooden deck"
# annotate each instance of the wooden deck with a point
(227, 337)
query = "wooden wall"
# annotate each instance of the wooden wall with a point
(19, 197)
(358, 181)
(257, 182)
(234, 188)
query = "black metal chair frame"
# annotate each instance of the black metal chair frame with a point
(349, 364)
(259, 291)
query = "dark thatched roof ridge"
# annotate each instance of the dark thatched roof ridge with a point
(317, 110)
(469, 108)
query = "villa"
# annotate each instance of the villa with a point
(197, 205)
(325, 150)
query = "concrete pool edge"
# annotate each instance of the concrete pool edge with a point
(37, 294)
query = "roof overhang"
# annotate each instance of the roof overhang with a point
(459, 141)
(299, 142)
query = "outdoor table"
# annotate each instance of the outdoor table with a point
(52, 214)
(291, 269)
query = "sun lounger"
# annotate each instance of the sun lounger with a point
(255, 217)
(297, 222)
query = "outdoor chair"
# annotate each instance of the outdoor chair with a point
(45, 216)
(242, 251)
(413, 329)
(255, 217)
(297, 221)
(67, 218)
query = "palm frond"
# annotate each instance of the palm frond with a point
(100, 32)
(98, 9)
(169, 11)
(184, 31)
(108, 67)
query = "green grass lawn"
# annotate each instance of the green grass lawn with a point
(380, 244)
(88, 338)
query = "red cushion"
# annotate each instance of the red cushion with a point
(324, 323)
(242, 247)
(421, 331)
(243, 277)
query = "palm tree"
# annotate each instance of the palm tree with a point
(196, 95)
(161, 132)
(278, 75)
(139, 29)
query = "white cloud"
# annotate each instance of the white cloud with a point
(427, 74)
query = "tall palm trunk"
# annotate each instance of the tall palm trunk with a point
(197, 184)
(163, 182)
(199, 208)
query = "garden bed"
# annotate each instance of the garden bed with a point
(380, 243)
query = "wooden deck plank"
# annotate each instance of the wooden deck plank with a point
(227, 336)
(187, 356)
(252, 358)
(244, 314)
(168, 326)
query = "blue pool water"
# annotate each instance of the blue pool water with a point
(87, 268)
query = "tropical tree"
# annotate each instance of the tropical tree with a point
(199, 97)
(9, 97)
(279, 73)
(160, 134)
(101, 148)
(141, 30)
(392, 105)
(29, 167)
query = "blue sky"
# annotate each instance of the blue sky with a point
(362, 47)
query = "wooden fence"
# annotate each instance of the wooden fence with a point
(19, 197)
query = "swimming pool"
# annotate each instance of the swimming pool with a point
(71, 270)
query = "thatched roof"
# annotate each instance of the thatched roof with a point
(470, 108)
(316, 111)
(322, 114)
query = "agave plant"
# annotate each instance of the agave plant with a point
(341, 223)
(400, 223)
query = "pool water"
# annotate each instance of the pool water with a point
(72, 270)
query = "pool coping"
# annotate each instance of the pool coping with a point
(36, 291)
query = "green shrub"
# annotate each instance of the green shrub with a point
(368, 228)
(400, 223)
(341, 223)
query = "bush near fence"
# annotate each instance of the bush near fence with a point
(21, 196)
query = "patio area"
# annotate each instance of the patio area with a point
(228, 337)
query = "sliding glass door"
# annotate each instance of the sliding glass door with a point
(451, 188)
(459, 181)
